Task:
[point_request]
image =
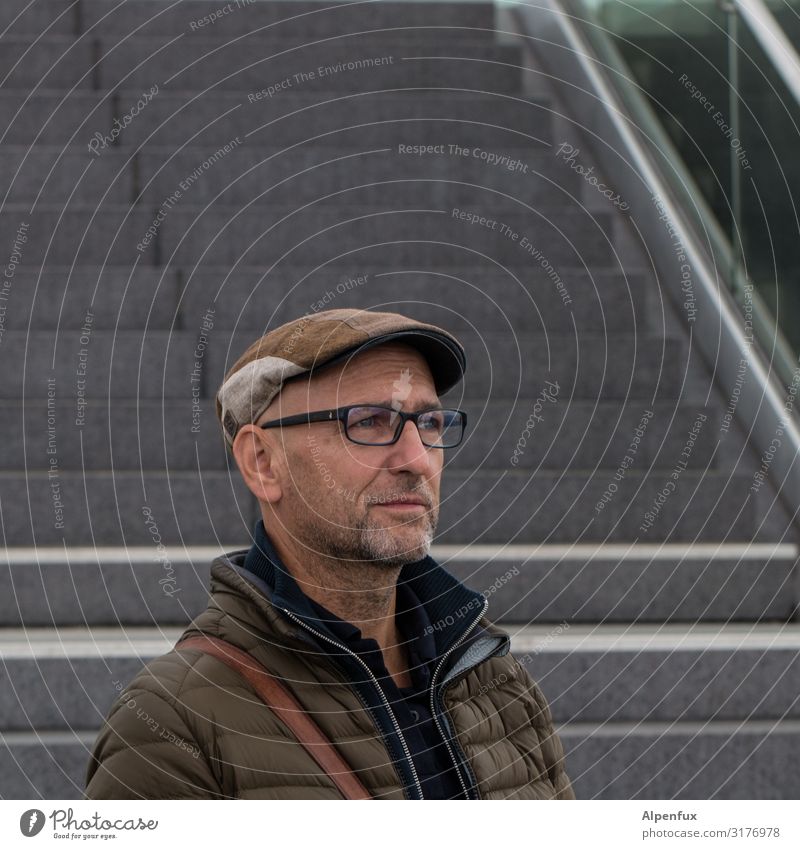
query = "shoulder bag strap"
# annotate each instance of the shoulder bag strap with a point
(275, 695)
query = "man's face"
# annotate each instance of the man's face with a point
(336, 495)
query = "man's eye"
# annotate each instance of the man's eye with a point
(368, 418)
(431, 422)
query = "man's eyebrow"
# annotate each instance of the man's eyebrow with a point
(388, 402)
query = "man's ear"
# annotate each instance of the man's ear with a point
(256, 458)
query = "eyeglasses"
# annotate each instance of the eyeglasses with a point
(375, 425)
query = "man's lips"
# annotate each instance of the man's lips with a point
(401, 503)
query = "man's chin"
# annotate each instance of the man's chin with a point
(395, 547)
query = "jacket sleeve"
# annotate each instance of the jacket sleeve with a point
(552, 749)
(146, 751)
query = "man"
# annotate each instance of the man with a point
(336, 426)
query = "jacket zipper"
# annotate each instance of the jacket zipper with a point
(435, 713)
(377, 687)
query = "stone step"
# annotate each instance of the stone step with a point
(564, 584)
(643, 760)
(251, 173)
(521, 507)
(684, 760)
(62, 679)
(258, 70)
(649, 673)
(53, 117)
(481, 506)
(102, 508)
(274, 19)
(187, 234)
(580, 435)
(244, 63)
(262, 71)
(159, 364)
(44, 764)
(54, 175)
(60, 62)
(46, 297)
(21, 17)
(174, 118)
(449, 115)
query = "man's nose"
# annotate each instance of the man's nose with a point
(409, 453)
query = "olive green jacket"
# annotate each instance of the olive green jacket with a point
(189, 727)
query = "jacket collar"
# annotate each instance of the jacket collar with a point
(450, 606)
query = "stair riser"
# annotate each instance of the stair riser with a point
(577, 436)
(562, 592)
(123, 176)
(251, 65)
(19, 17)
(176, 299)
(301, 19)
(581, 686)
(160, 365)
(225, 235)
(474, 508)
(649, 765)
(361, 121)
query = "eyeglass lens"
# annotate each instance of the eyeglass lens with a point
(378, 425)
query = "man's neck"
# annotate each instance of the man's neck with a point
(361, 593)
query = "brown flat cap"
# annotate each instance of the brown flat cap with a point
(320, 339)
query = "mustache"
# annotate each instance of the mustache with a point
(420, 494)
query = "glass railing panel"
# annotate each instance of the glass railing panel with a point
(741, 149)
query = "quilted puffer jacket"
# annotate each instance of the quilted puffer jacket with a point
(189, 727)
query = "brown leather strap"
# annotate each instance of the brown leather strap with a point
(275, 695)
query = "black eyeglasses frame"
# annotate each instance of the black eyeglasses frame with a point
(341, 414)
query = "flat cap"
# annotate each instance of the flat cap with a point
(320, 339)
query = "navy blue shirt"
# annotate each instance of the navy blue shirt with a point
(410, 705)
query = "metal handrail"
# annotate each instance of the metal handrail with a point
(683, 189)
(561, 36)
(773, 42)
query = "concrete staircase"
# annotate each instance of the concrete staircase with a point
(229, 202)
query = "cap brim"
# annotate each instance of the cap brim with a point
(445, 359)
